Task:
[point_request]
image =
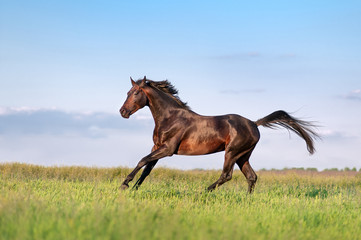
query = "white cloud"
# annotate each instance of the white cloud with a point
(55, 137)
(354, 95)
(143, 115)
(117, 149)
(24, 109)
(23, 121)
(336, 135)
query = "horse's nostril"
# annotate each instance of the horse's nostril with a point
(124, 113)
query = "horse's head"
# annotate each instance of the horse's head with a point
(136, 99)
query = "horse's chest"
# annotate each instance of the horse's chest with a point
(161, 135)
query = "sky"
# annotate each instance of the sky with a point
(65, 68)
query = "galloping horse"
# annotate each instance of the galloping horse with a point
(178, 130)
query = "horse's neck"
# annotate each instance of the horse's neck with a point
(161, 104)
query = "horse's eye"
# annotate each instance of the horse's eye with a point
(136, 92)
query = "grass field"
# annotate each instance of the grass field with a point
(85, 203)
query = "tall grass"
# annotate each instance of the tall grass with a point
(85, 203)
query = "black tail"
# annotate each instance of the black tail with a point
(301, 128)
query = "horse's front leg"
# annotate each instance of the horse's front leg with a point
(161, 152)
(148, 168)
(146, 171)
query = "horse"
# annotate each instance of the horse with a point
(178, 130)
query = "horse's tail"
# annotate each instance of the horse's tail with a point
(301, 128)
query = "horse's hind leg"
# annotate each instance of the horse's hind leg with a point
(247, 170)
(227, 171)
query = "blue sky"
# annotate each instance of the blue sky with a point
(65, 67)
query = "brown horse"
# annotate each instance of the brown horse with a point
(178, 130)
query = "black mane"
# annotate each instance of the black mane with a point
(166, 87)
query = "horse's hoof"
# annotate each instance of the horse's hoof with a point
(124, 186)
(210, 189)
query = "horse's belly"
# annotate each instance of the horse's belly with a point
(194, 147)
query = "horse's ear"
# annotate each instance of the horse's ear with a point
(144, 82)
(132, 81)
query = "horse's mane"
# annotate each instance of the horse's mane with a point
(166, 87)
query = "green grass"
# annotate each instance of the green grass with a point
(85, 203)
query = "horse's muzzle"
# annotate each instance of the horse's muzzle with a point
(125, 113)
